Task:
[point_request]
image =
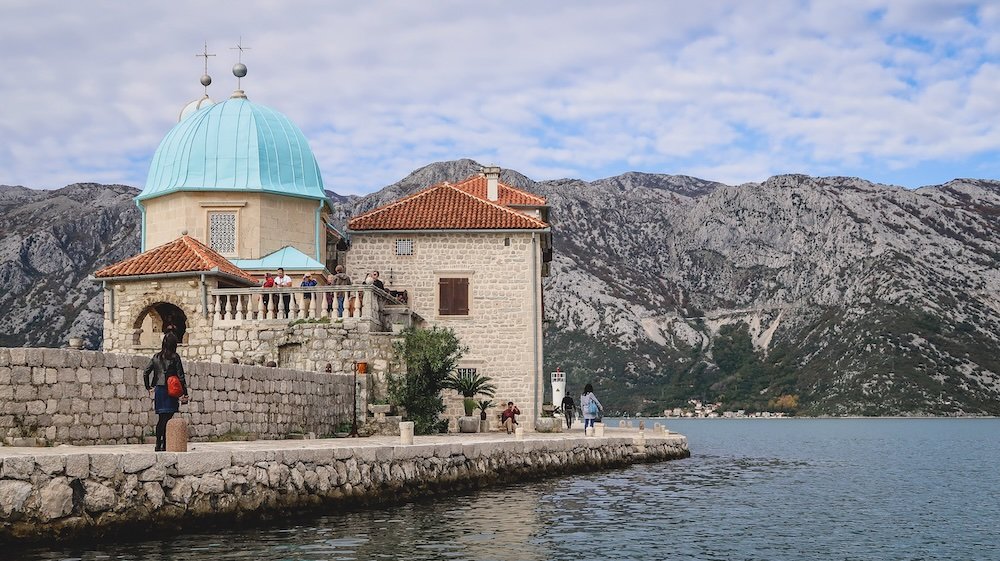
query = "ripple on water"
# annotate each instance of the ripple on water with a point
(776, 490)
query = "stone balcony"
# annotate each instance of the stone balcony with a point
(266, 306)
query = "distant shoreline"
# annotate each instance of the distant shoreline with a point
(803, 417)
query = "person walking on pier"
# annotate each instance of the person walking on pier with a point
(164, 365)
(590, 406)
(568, 405)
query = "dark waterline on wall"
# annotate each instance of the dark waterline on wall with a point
(753, 489)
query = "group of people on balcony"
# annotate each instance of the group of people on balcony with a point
(338, 278)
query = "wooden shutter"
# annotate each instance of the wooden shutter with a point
(461, 297)
(444, 297)
(453, 297)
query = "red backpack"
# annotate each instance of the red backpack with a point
(174, 387)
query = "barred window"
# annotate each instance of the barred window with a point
(222, 232)
(404, 247)
(466, 371)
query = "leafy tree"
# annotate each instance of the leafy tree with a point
(430, 356)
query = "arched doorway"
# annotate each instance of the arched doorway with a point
(154, 321)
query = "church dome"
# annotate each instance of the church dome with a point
(235, 145)
(194, 106)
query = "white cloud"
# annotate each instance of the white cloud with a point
(731, 91)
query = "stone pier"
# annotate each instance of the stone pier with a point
(68, 492)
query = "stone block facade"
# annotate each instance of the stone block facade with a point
(503, 327)
(64, 396)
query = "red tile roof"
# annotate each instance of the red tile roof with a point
(506, 195)
(185, 254)
(452, 207)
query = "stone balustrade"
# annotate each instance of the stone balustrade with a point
(258, 304)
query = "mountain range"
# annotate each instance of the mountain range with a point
(813, 295)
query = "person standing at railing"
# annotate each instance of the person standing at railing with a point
(307, 297)
(284, 281)
(376, 281)
(265, 297)
(339, 278)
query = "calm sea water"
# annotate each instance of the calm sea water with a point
(753, 489)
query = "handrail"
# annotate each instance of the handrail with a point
(340, 302)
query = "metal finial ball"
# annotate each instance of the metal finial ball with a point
(206, 80)
(239, 70)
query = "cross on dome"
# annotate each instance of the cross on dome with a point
(239, 69)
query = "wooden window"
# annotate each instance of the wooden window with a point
(453, 297)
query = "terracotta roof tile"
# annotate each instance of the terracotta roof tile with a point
(185, 254)
(450, 207)
(506, 195)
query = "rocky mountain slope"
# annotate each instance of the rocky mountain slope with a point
(50, 241)
(821, 295)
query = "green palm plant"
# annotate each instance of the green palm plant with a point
(469, 383)
(483, 406)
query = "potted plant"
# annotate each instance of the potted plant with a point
(469, 383)
(484, 423)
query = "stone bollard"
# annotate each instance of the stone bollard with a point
(657, 426)
(599, 429)
(519, 433)
(590, 431)
(622, 424)
(177, 435)
(406, 432)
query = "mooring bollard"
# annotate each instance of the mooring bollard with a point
(590, 431)
(598, 429)
(406, 432)
(177, 435)
(519, 433)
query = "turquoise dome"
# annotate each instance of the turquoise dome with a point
(235, 145)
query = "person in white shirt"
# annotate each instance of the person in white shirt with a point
(284, 281)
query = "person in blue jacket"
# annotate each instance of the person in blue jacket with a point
(590, 406)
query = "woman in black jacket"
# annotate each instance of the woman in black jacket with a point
(164, 364)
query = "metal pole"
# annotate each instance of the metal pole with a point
(354, 409)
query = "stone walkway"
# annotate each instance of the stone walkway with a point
(330, 443)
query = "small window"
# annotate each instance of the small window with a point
(222, 232)
(453, 297)
(462, 372)
(404, 247)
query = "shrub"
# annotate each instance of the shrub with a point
(430, 356)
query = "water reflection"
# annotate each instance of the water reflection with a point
(787, 490)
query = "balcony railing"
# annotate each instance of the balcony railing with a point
(346, 303)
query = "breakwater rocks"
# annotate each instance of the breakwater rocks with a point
(93, 491)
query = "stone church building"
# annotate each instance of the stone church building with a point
(234, 192)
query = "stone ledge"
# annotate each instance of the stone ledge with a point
(67, 492)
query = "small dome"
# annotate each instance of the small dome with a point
(234, 145)
(194, 106)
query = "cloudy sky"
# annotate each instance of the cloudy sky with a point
(897, 91)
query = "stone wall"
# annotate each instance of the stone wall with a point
(503, 329)
(93, 493)
(302, 346)
(63, 396)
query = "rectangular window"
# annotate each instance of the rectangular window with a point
(404, 247)
(222, 232)
(453, 297)
(466, 371)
